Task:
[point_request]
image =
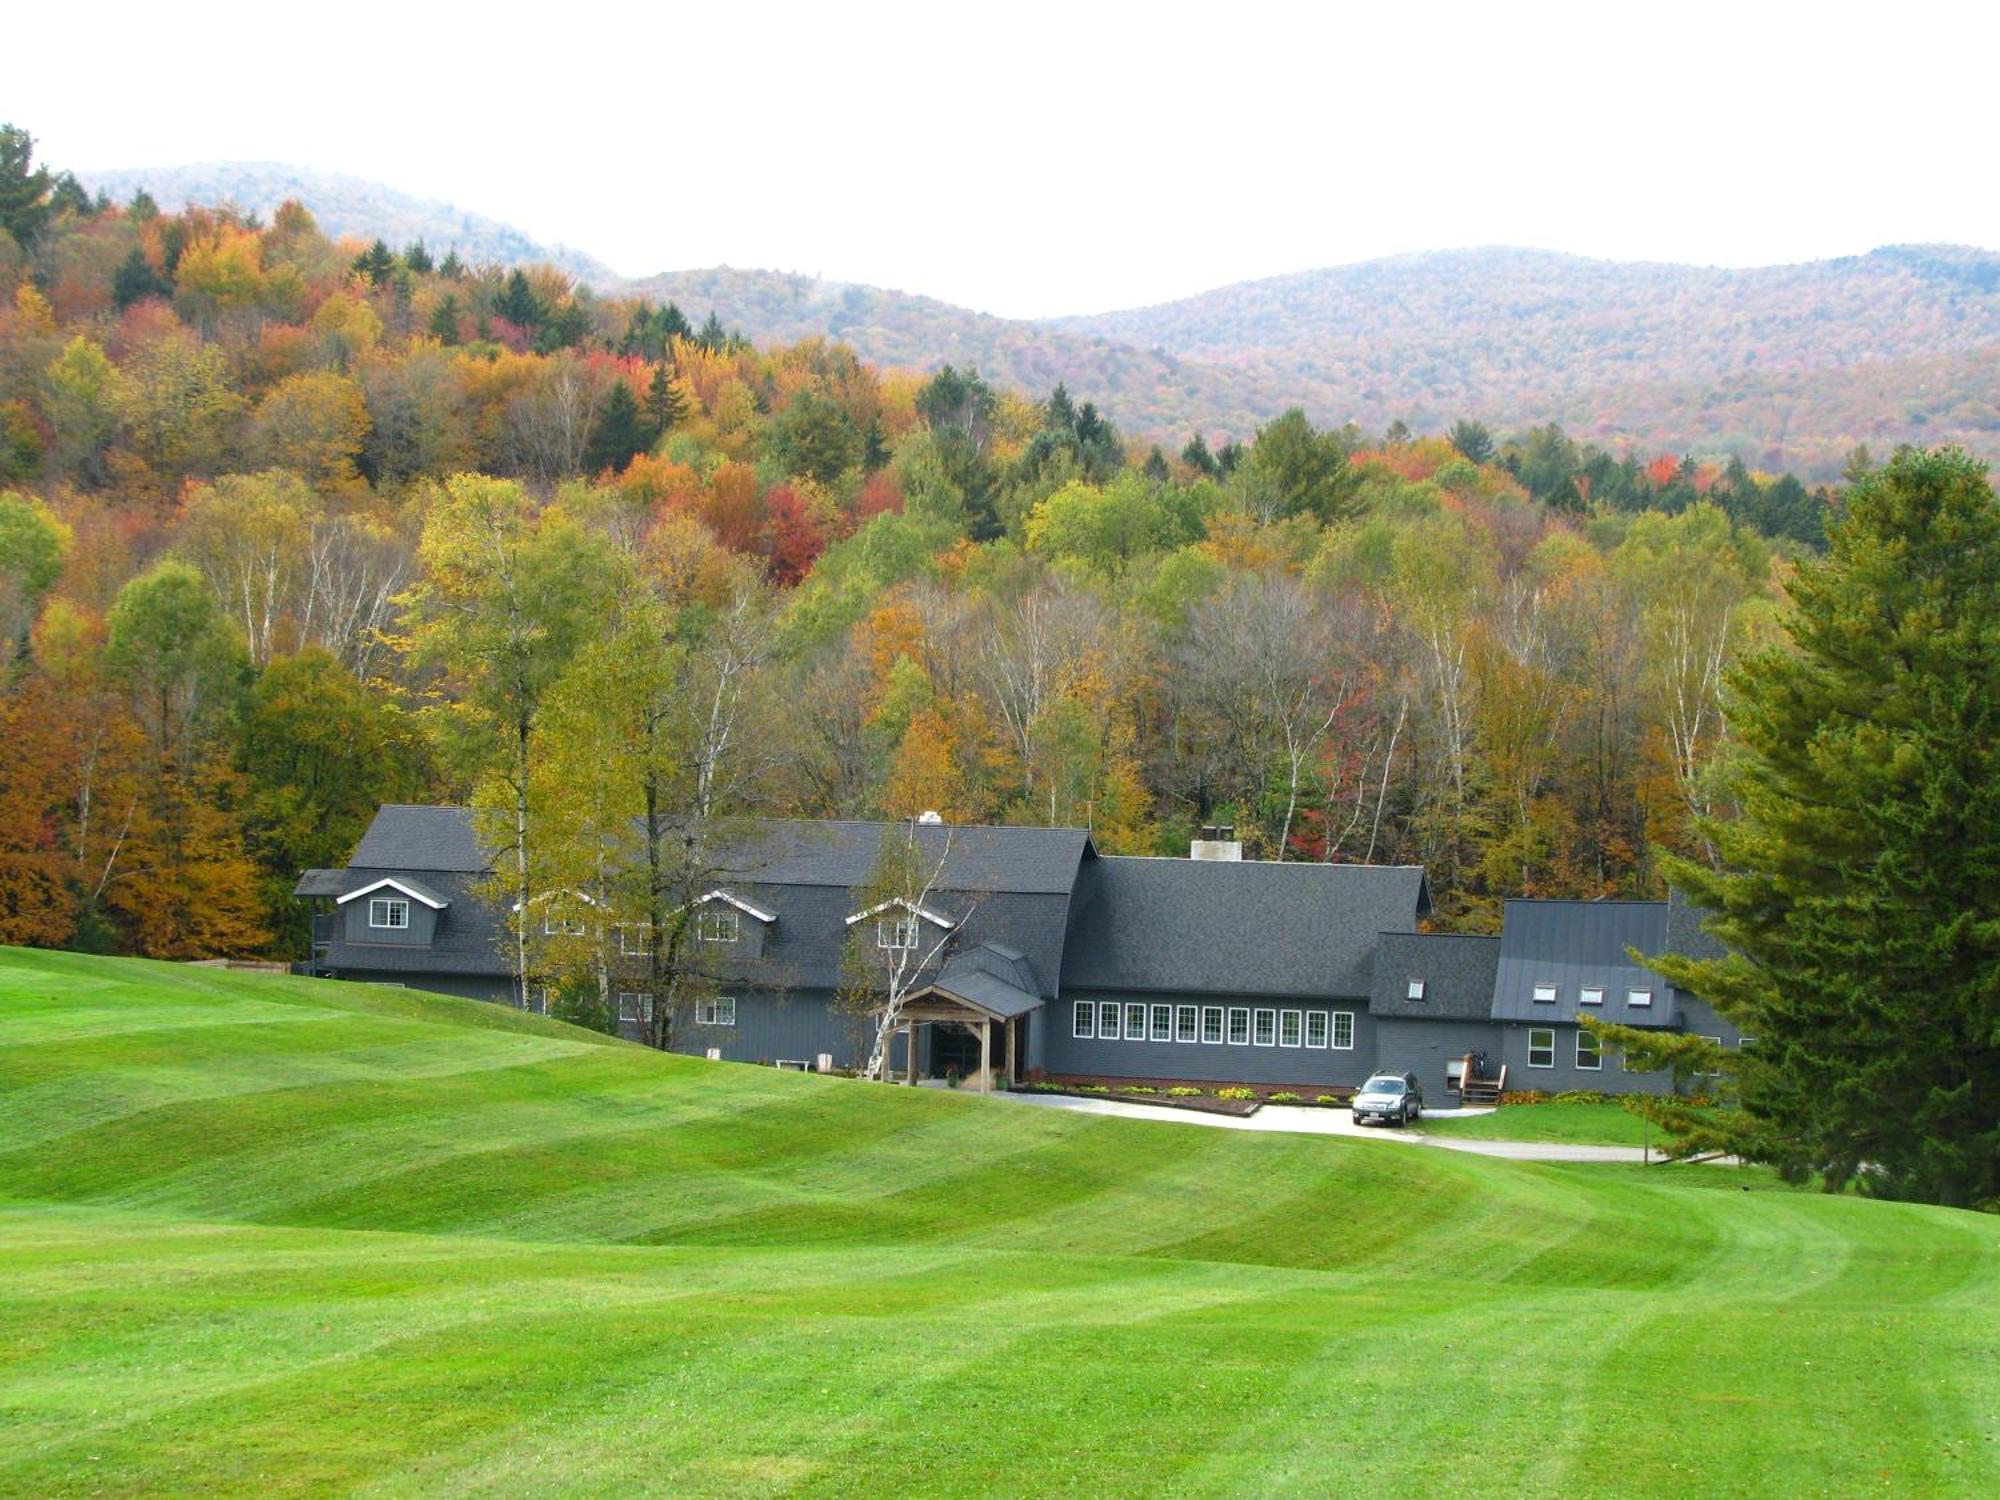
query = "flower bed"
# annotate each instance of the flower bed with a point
(1224, 1099)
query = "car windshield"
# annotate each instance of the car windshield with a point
(1382, 1086)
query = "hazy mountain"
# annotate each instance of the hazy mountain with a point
(347, 206)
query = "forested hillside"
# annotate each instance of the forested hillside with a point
(346, 207)
(293, 525)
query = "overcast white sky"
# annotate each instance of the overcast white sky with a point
(1034, 159)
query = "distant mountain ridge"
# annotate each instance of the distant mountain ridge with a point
(1788, 366)
(348, 206)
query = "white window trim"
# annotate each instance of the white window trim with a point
(1162, 1029)
(386, 906)
(1340, 1016)
(1415, 990)
(395, 885)
(1229, 1036)
(1257, 1026)
(898, 928)
(1706, 1037)
(1295, 1020)
(625, 931)
(936, 919)
(1191, 1014)
(709, 934)
(1550, 1033)
(1116, 1012)
(1596, 1062)
(640, 1008)
(1583, 996)
(1135, 1033)
(1323, 1026)
(1544, 994)
(1220, 1018)
(740, 904)
(1639, 998)
(555, 926)
(1083, 1021)
(710, 1012)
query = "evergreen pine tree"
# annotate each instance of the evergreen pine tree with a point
(24, 187)
(1860, 887)
(517, 302)
(665, 405)
(376, 262)
(444, 320)
(673, 324)
(418, 259)
(136, 280)
(618, 434)
(1156, 466)
(451, 267)
(712, 336)
(1197, 457)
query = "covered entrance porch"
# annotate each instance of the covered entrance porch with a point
(978, 1028)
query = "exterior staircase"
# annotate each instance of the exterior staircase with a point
(1476, 1090)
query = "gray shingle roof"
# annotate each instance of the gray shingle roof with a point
(403, 837)
(322, 883)
(1239, 928)
(1571, 944)
(994, 977)
(1457, 970)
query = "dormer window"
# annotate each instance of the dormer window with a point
(1590, 994)
(897, 933)
(1415, 991)
(391, 913)
(719, 924)
(562, 926)
(1638, 997)
(1545, 994)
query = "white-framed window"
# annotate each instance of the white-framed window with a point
(1589, 1052)
(719, 924)
(556, 925)
(1415, 991)
(720, 1011)
(1211, 1024)
(1083, 1020)
(1187, 1023)
(1107, 1020)
(1163, 1023)
(1135, 1022)
(1545, 994)
(898, 933)
(1541, 1046)
(1745, 1043)
(635, 939)
(1266, 1034)
(1709, 1073)
(1239, 1026)
(391, 913)
(635, 1005)
(1343, 1030)
(1315, 1028)
(1638, 997)
(1291, 1028)
(1590, 994)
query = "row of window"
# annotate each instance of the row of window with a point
(636, 1005)
(1589, 994)
(711, 926)
(1236, 1026)
(1589, 1050)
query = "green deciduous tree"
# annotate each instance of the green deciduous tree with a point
(1858, 887)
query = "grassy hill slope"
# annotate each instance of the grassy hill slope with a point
(280, 1234)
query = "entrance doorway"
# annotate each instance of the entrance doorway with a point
(955, 1049)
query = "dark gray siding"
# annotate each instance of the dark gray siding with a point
(419, 934)
(774, 1027)
(1698, 1018)
(1565, 1075)
(1408, 1045)
(1207, 1062)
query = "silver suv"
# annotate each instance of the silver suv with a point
(1393, 1098)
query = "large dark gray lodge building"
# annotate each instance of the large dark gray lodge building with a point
(1212, 969)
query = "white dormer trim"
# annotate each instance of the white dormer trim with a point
(934, 918)
(395, 885)
(540, 896)
(740, 904)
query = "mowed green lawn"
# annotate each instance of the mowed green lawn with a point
(1570, 1124)
(276, 1235)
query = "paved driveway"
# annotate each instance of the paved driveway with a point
(1295, 1120)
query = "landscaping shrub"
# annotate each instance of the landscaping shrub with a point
(1236, 1093)
(1138, 1088)
(1524, 1096)
(1182, 1091)
(1284, 1098)
(1328, 1099)
(1582, 1096)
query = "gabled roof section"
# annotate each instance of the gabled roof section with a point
(1573, 944)
(1251, 927)
(1457, 970)
(416, 890)
(758, 912)
(936, 919)
(995, 979)
(403, 837)
(976, 859)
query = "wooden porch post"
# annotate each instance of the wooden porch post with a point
(985, 1056)
(910, 1042)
